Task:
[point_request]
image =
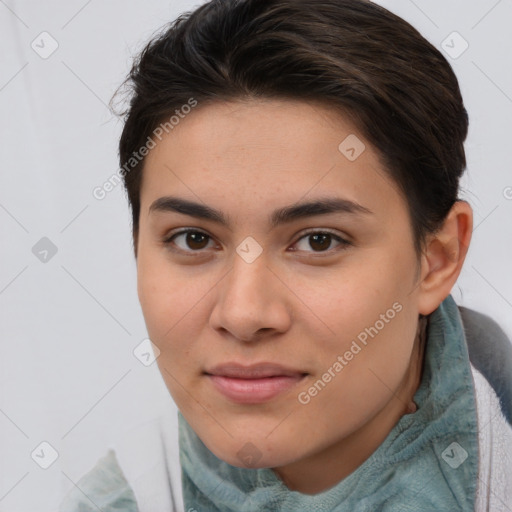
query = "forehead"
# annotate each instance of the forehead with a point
(238, 128)
(254, 153)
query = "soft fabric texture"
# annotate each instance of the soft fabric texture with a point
(407, 472)
(103, 488)
(494, 492)
(490, 352)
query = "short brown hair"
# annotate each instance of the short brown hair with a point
(353, 55)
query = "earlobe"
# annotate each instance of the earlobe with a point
(444, 256)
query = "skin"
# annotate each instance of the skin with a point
(301, 308)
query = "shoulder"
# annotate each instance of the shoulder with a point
(490, 352)
(104, 487)
(140, 472)
(148, 455)
(494, 488)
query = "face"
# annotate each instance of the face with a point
(312, 310)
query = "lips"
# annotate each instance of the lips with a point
(253, 384)
(255, 371)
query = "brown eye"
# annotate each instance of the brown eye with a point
(196, 240)
(188, 240)
(321, 241)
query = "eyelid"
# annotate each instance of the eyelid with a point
(312, 231)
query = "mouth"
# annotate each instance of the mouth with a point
(253, 384)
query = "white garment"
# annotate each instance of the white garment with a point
(149, 457)
(494, 492)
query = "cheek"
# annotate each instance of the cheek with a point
(370, 372)
(352, 299)
(163, 289)
(164, 297)
(372, 327)
(174, 303)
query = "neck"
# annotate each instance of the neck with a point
(327, 468)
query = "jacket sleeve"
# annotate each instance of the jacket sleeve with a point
(103, 488)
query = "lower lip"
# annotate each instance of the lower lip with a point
(254, 391)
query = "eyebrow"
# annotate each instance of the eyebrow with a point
(321, 206)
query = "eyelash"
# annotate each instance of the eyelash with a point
(169, 241)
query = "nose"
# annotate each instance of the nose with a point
(251, 302)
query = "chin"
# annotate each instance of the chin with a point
(255, 454)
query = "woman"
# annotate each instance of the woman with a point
(293, 170)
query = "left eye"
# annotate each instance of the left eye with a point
(196, 241)
(321, 240)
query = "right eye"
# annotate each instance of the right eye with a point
(187, 241)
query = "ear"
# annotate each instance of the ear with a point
(444, 256)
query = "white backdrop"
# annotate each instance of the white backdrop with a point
(69, 312)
